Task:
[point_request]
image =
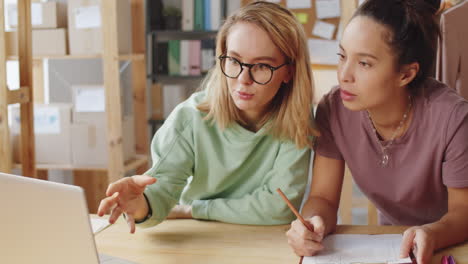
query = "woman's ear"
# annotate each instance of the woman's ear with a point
(289, 73)
(408, 73)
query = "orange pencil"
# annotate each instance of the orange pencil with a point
(291, 206)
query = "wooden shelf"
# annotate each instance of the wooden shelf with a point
(131, 164)
(122, 57)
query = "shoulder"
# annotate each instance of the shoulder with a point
(439, 99)
(187, 112)
(443, 105)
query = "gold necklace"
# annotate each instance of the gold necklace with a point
(385, 155)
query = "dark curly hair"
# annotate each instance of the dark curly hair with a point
(413, 32)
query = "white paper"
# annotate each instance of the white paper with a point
(87, 17)
(323, 51)
(274, 1)
(323, 29)
(46, 120)
(99, 224)
(328, 8)
(347, 249)
(36, 14)
(298, 4)
(90, 99)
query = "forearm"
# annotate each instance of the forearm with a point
(316, 205)
(248, 210)
(451, 229)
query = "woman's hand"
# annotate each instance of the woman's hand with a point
(303, 241)
(421, 241)
(125, 196)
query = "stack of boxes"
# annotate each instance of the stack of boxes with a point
(49, 23)
(72, 130)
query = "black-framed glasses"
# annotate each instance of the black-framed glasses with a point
(260, 73)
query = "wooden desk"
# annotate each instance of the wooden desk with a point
(192, 241)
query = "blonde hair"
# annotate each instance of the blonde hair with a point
(291, 108)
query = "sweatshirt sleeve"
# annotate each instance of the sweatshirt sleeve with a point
(172, 155)
(264, 206)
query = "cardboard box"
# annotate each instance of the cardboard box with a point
(89, 128)
(85, 27)
(43, 15)
(90, 144)
(46, 42)
(52, 134)
(88, 100)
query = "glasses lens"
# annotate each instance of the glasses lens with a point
(261, 73)
(231, 67)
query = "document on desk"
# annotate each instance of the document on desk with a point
(348, 249)
(99, 224)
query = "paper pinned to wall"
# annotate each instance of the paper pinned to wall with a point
(328, 8)
(323, 29)
(87, 17)
(323, 51)
(346, 249)
(298, 4)
(302, 17)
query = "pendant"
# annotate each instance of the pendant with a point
(384, 161)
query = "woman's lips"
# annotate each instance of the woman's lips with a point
(346, 96)
(245, 96)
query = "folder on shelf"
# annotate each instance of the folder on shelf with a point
(174, 57)
(187, 15)
(207, 17)
(194, 57)
(207, 54)
(184, 57)
(216, 13)
(198, 15)
(161, 58)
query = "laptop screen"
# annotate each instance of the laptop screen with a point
(44, 222)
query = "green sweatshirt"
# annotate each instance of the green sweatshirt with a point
(226, 175)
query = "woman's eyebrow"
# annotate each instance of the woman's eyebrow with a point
(268, 58)
(362, 54)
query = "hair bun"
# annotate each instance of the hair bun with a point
(434, 4)
(431, 6)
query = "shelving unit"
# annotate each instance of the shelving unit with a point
(156, 36)
(93, 179)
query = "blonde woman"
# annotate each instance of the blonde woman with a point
(245, 134)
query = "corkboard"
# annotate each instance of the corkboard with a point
(312, 17)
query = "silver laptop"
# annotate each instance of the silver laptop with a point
(45, 222)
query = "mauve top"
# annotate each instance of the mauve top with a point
(431, 156)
